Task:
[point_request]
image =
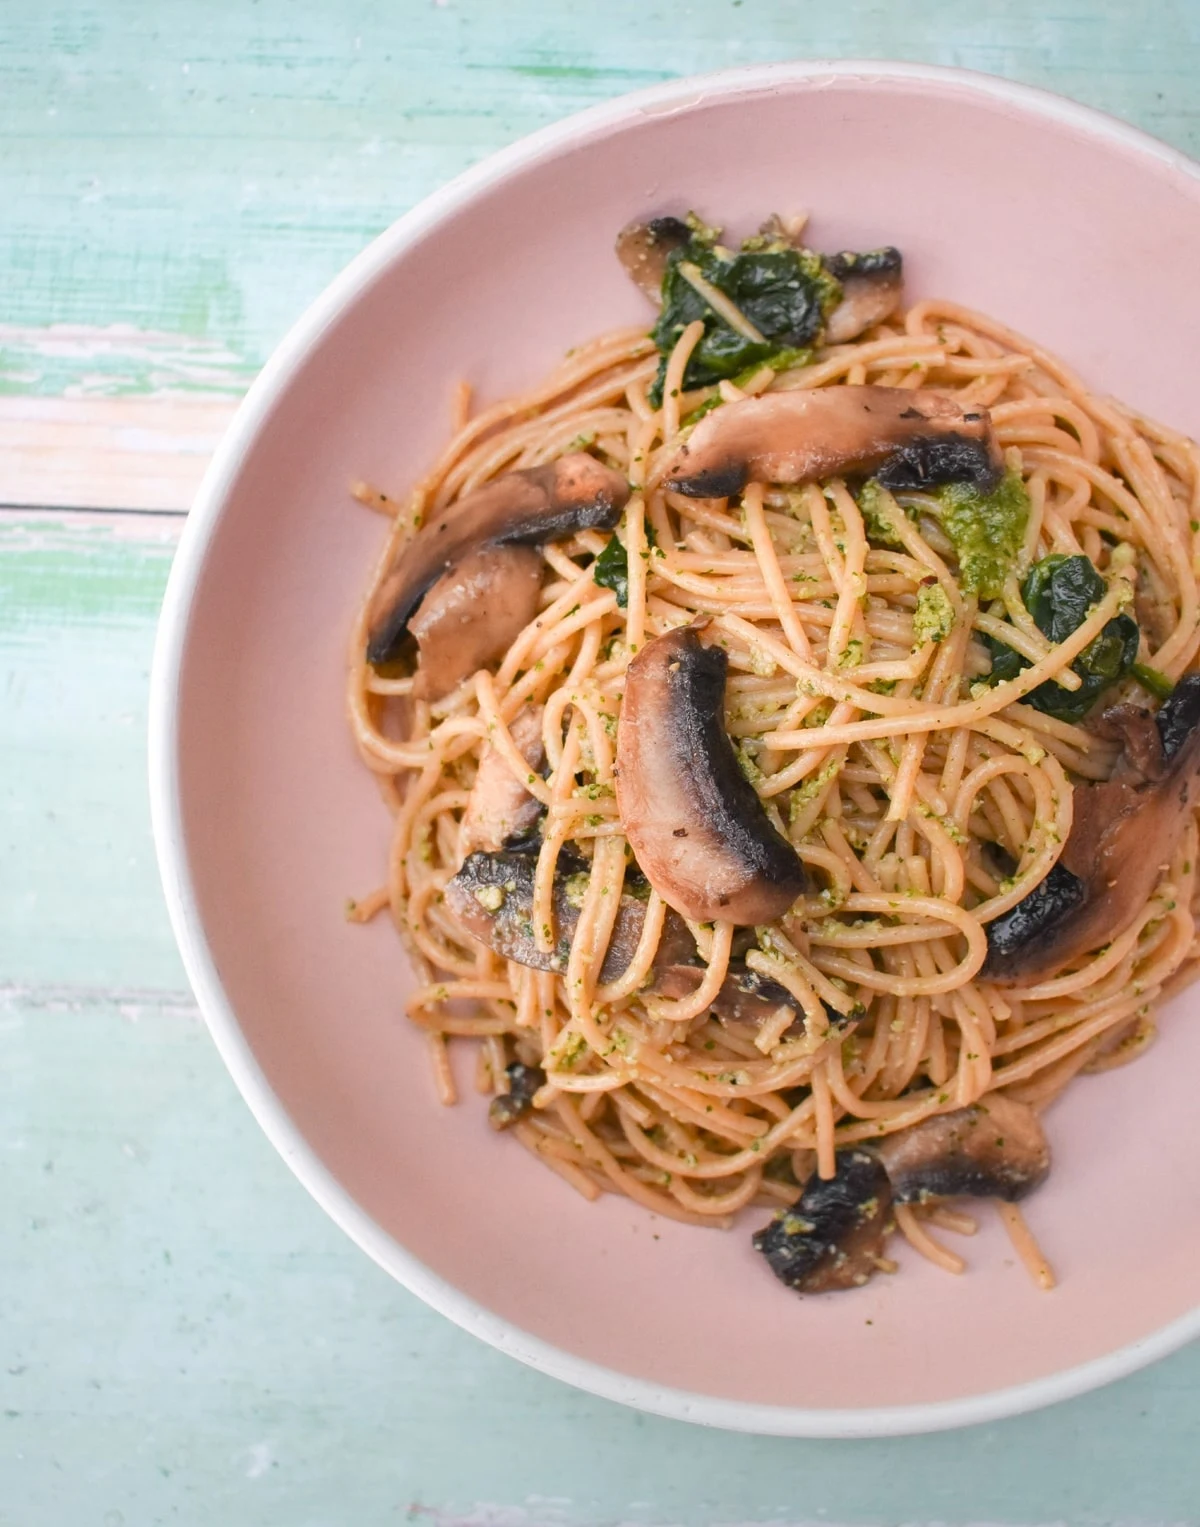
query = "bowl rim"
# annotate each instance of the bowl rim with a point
(165, 804)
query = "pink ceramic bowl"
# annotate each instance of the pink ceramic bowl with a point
(1064, 223)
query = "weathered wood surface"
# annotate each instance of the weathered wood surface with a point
(184, 1337)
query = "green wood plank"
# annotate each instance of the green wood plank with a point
(185, 1338)
(79, 898)
(205, 169)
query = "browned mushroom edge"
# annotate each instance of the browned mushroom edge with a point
(746, 999)
(643, 250)
(871, 288)
(452, 641)
(523, 508)
(907, 440)
(995, 1148)
(699, 832)
(508, 1108)
(1122, 835)
(832, 1236)
(491, 898)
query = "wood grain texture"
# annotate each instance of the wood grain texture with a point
(201, 171)
(184, 1337)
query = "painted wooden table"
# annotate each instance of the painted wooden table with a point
(184, 1337)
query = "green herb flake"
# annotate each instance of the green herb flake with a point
(748, 764)
(819, 714)
(594, 791)
(698, 413)
(786, 359)
(574, 1047)
(852, 654)
(811, 788)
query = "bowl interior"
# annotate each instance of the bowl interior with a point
(1083, 239)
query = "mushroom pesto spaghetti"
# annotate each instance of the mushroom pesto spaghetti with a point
(787, 724)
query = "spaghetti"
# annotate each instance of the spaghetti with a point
(923, 801)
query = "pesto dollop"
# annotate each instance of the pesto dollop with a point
(934, 617)
(987, 530)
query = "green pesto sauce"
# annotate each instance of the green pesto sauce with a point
(934, 616)
(987, 530)
(876, 521)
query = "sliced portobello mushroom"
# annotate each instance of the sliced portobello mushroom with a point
(746, 1000)
(643, 249)
(452, 639)
(871, 289)
(907, 440)
(832, 1236)
(996, 1148)
(1122, 836)
(697, 828)
(500, 808)
(523, 508)
(491, 898)
(508, 1107)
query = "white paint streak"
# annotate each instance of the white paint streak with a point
(108, 453)
(259, 1459)
(126, 352)
(132, 1003)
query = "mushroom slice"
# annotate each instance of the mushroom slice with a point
(871, 286)
(643, 249)
(491, 898)
(908, 440)
(832, 1236)
(499, 806)
(996, 1148)
(1141, 743)
(697, 828)
(523, 508)
(508, 1107)
(746, 998)
(1122, 837)
(452, 640)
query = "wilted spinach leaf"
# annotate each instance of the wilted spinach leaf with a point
(611, 570)
(786, 293)
(1058, 592)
